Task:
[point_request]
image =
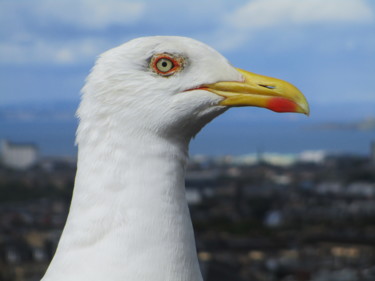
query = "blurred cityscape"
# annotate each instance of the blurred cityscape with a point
(260, 217)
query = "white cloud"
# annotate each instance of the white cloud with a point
(27, 36)
(272, 17)
(95, 14)
(42, 51)
(269, 13)
(92, 13)
(74, 31)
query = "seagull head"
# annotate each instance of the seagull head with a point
(173, 86)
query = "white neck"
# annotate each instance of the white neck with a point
(129, 218)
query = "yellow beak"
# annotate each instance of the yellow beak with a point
(261, 91)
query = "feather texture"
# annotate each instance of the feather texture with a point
(129, 218)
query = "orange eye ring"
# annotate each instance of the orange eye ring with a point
(166, 65)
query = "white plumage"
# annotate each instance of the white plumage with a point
(129, 218)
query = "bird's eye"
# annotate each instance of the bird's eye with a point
(164, 65)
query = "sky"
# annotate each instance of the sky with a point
(325, 47)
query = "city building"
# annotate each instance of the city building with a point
(17, 155)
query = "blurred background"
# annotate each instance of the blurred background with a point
(272, 196)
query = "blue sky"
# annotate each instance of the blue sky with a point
(325, 47)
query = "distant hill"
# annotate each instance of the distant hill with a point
(367, 124)
(62, 110)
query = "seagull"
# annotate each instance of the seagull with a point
(141, 105)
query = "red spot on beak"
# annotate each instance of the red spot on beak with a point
(282, 105)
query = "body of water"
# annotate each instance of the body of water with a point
(56, 138)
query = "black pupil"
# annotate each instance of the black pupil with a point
(164, 64)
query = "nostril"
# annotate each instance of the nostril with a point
(267, 86)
